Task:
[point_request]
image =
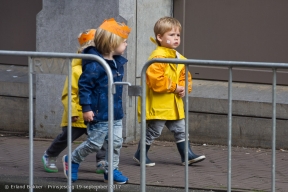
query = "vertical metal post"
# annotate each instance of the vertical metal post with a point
(229, 128)
(143, 131)
(31, 134)
(186, 101)
(69, 141)
(186, 128)
(273, 130)
(111, 91)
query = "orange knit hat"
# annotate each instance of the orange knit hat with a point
(112, 26)
(88, 35)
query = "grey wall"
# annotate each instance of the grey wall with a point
(60, 22)
(14, 99)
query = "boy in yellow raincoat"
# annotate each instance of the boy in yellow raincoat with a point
(164, 92)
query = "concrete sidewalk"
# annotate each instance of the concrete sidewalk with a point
(251, 168)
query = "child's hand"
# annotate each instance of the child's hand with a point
(180, 91)
(74, 118)
(88, 116)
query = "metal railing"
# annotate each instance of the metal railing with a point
(111, 91)
(135, 91)
(230, 65)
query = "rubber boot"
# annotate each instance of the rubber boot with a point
(192, 158)
(136, 157)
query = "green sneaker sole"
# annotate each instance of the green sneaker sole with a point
(47, 169)
(100, 171)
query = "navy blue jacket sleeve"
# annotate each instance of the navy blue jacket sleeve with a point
(87, 83)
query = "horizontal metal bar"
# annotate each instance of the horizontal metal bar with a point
(122, 83)
(187, 61)
(48, 54)
(220, 63)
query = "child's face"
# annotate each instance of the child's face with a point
(121, 48)
(170, 39)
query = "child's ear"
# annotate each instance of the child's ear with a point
(159, 37)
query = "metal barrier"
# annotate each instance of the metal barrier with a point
(135, 91)
(111, 91)
(228, 64)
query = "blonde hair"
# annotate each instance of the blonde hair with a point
(106, 42)
(165, 24)
(85, 45)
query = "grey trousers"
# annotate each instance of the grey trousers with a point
(60, 143)
(155, 127)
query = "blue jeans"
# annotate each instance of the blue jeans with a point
(97, 136)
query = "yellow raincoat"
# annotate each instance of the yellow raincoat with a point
(161, 101)
(76, 109)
